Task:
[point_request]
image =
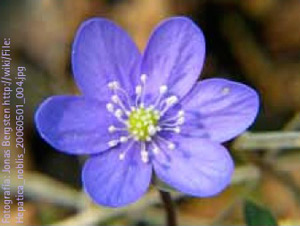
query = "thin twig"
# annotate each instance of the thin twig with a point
(38, 186)
(268, 141)
(292, 125)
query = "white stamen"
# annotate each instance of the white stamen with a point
(170, 123)
(177, 130)
(123, 139)
(113, 143)
(118, 101)
(110, 107)
(115, 99)
(111, 129)
(144, 153)
(138, 90)
(171, 100)
(151, 130)
(155, 149)
(144, 78)
(118, 113)
(163, 89)
(171, 146)
(181, 113)
(113, 85)
(145, 157)
(180, 121)
(174, 129)
(122, 156)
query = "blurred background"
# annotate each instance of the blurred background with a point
(256, 42)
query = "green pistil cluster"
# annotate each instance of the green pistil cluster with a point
(142, 123)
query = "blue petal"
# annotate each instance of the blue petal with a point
(113, 182)
(75, 125)
(174, 56)
(197, 167)
(220, 109)
(103, 52)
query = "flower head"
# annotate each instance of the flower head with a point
(140, 115)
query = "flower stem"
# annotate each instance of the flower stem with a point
(169, 208)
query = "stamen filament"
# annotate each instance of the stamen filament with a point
(170, 144)
(143, 79)
(144, 153)
(171, 101)
(162, 90)
(123, 153)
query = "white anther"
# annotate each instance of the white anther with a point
(145, 156)
(152, 130)
(112, 143)
(118, 113)
(122, 156)
(143, 78)
(171, 100)
(163, 89)
(148, 138)
(171, 146)
(115, 99)
(180, 121)
(177, 130)
(158, 128)
(111, 129)
(123, 139)
(110, 107)
(181, 113)
(138, 90)
(155, 150)
(113, 85)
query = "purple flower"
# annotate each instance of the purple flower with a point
(145, 115)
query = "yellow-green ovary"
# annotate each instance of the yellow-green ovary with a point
(141, 122)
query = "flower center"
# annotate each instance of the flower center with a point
(142, 123)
